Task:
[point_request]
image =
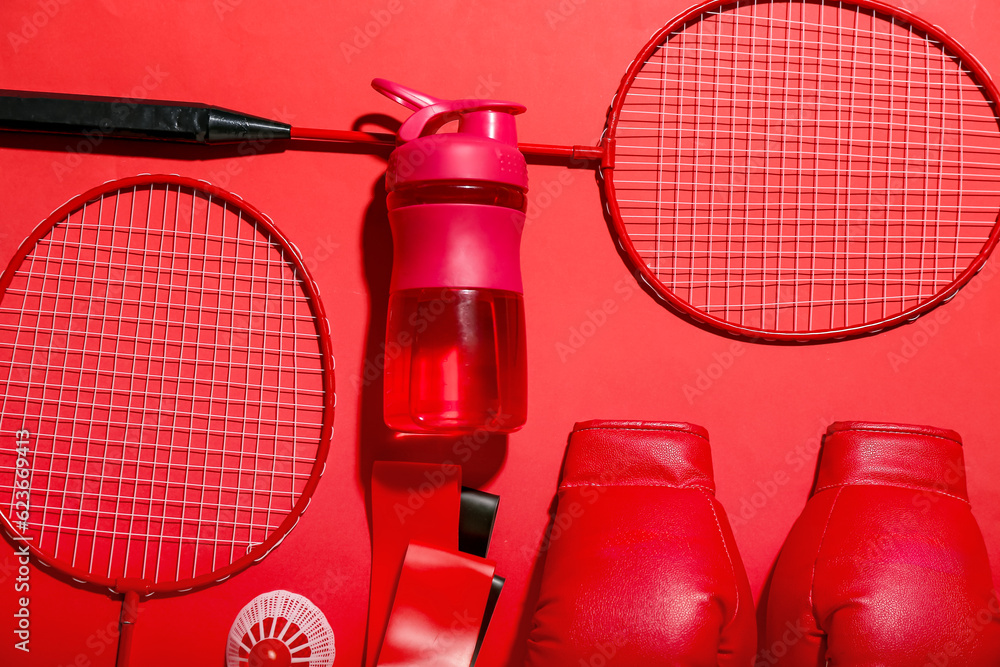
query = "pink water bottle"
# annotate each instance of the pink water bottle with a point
(455, 345)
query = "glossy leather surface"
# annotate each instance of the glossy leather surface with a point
(886, 565)
(641, 566)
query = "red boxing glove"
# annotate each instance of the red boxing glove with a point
(641, 568)
(886, 566)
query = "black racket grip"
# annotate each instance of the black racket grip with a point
(133, 119)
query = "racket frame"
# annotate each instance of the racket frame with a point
(664, 293)
(133, 587)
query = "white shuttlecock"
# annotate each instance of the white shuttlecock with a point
(280, 629)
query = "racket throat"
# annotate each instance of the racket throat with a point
(126, 622)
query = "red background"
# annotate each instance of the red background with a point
(765, 406)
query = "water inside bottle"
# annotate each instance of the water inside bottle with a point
(455, 360)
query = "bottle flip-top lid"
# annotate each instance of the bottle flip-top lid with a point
(484, 148)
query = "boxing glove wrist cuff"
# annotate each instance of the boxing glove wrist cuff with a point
(638, 453)
(920, 457)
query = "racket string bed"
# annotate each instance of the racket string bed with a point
(164, 355)
(804, 167)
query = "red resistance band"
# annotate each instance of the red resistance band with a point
(429, 601)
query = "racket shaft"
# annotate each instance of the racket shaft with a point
(581, 154)
(126, 625)
(133, 119)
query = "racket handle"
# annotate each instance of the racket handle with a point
(126, 626)
(132, 119)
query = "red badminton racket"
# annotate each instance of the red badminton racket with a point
(167, 385)
(781, 169)
(804, 169)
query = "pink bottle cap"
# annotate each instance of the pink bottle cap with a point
(483, 149)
